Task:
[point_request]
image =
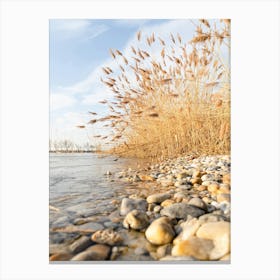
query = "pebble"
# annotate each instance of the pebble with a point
(197, 174)
(97, 252)
(188, 229)
(195, 201)
(208, 177)
(219, 233)
(212, 187)
(223, 197)
(163, 250)
(111, 225)
(181, 211)
(160, 231)
(136, 220)
(157, 209)
(196, 247)
(201, 188)
(227, 179)
(80, 244)
(167, 202)
(129, 204)
(210, 218)
(90, 227)
(174, 259)
(61, 257)
(196, 180)
(158, 198)
(208, 183)
(107, 236)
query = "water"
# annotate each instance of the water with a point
(80, 188)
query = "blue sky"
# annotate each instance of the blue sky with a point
(78, 50)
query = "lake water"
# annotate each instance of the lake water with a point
(79, 186)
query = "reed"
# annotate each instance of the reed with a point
(178, 102)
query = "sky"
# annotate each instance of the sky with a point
(78, 50)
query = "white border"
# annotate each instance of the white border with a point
(24, 138)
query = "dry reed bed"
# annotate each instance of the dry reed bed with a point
(173, 103)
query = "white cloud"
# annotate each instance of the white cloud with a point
(71, 25)
(91, 90)
(91, 86)
(59, 101)
(131, 22)
(78, 28)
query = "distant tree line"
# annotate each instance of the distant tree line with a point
(68, 146)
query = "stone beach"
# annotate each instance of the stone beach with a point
(176, 210)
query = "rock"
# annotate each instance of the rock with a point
(166, 183)
(151, 206)
(174, 259)
(208, 183)
(94, 253)
(61, 257)
(206, 199)
(178, 196)
(189, 229)
(181, 211)
(196, 181)
(141, 251)
(196, 247)
(210, 218)
(225, 258)
(157, 209)
(223, 197)
(136, 178)
(160, 231)
(182, 175)
(184, 187)
(212, 188)
(208, 177)
(201, 188)
(89, 227)
(146, 177)
(178, 183)
(167, 202)
(224, 188)
(128, 205)
(80, 221)
(196, 174)
(163, 250)
(111, 225)
(219, 233)
(108, 173)
(226, 178)
(80, 244)
(198, 203)
(136, 220)
(107, 236)
(158, 198)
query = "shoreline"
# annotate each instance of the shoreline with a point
(178, 209)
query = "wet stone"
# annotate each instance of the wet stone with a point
(128, 205)
(66, 256)
(97, 252)
(160, 231)
(136, 220)
(158, 198)
(107, 236)
(89, 227)
(181, 211)
(80, 244)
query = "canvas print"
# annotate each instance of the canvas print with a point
(139, 148)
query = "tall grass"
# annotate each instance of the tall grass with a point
(173, 103)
